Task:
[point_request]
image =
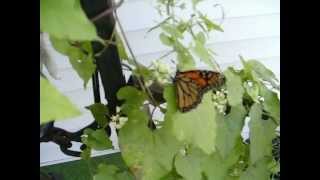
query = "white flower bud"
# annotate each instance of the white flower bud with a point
(115, 118)
(148, 82)
(118, 109)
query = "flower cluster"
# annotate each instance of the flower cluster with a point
(220, 100)
(117, 120)
(161, 73)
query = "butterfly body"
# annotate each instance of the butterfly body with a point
(191, 85)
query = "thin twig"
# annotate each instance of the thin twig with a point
(127, 66)
(140, 81)
(108, 42)
(158, 25)
(165, 55)
(107, 11)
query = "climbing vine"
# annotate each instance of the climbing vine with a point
(202, 144)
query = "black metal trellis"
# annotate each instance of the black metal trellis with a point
(110, 72)
(108, 69)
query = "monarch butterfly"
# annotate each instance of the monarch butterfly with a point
(191, 85)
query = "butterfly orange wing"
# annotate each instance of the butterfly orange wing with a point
(190, 86)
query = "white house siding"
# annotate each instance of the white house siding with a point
(251, 29)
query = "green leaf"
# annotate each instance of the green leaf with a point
(274, 166)
(234, 87)
(195, 164)
(86, 154)
(173, 175)
(214, 167)
(133, 98)
(195, 3)
(65, 19)
(192, 126)
(252, 90)
(53, 104)
(148, 154)
(106, 172)
(136, 142)
(189, 166)
(185, 59)
(261, 134)
(201, 38)
(96, 139)
(229, 130)
(85, 68)
(257, 171)
(111, 172)
(144, 72)
(172, 30)
(259, 71)
(99, 112)
(271, 103)
(166, 40)
(217, 168)
(182, 26)
(201, 51)
(121, 48)
(124, 176)
(81, 62)
(210, 24)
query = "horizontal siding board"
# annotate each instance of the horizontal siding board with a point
(246, 28)
(252, 29)
(234, 30)
(84, 98)
(227, 52)
(139, 15)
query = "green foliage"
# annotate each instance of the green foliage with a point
(175, 28)
(80, 56)
(133, 97)
(166, 40)
(201, 51)
(189, 164)
(172, 30)
(271, 103)
(96, 139)
(111, 172)
(234, 87)
(186, 126)
(218, 168)
(210, 24)
(195, 164)
(86, 153)
(99, 112)
(65, 19)
(252, 89)
(53, 104)
(120, 46)
(148, 154)
(184, 57)
(195, 2)
(261, 134)
(256, 171)
(229, 130)
(202, 144)
(259, 72)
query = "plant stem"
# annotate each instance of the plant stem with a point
(140, 81)
(107, 11)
